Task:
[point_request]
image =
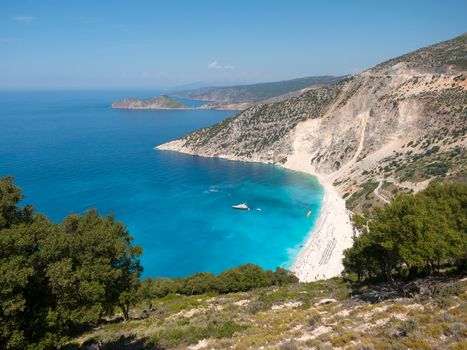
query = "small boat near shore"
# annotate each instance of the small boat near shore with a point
(242, 206)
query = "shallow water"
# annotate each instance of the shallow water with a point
(70, 152)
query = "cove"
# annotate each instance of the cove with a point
(69, 151)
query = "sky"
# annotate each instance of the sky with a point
(90, 44)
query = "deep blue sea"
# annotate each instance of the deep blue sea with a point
(69, 151)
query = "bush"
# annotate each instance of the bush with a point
(288, 345)
(190, 334)
(314, 321)
(238, 279)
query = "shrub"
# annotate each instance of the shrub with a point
(288, 345)
(238, 279)
(343, 339)
(314, 320)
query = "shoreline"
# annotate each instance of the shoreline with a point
(322, 252)
(206, 107)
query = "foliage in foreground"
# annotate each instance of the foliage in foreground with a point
(58, 277)
(413, 235)
(318, 315)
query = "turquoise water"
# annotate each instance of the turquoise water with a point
(69, 152)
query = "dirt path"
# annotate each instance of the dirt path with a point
(377, 194)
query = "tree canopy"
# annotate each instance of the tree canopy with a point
(238, 279)
(412, 234)
(57, 277)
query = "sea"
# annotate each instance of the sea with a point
(69, 152)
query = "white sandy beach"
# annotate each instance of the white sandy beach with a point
(322, 253)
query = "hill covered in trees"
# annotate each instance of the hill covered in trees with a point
(252, 93)
(159, 102)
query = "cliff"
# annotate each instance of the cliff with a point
(403, 121)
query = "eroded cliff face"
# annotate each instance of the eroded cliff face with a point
(403, 121)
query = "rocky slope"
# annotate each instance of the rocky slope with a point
(321, 315)
(403, 121)
(159, 102)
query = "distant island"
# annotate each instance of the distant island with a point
(159, 102)
(238, 97)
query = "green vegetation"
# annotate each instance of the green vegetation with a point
(412, 235)
(62, 284)
(159, 102)
(170, 102)
(317, 315)
(450, 52)
(56, 278)
(239, 279)
(432, 164)
(364, 193)
(263, 127)
(255, 92)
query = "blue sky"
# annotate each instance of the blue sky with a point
(152, 44)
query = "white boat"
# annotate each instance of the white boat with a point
(242, 206)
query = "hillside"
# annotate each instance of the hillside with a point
(403, 121)
(393, 128)
(159, 102)
(425, 314)
(254, 92)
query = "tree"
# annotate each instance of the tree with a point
(200, 283)
(282, 277)
(166, 286)
(244, 278)
(57, 277)
(10, 213)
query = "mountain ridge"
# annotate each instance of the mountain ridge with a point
(237, 97)
(251, 93)
(383, 101)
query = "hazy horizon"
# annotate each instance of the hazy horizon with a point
(111, 45)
